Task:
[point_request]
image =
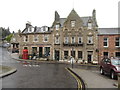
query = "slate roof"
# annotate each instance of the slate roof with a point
(62, 20)
(84, 19)
(109, 31)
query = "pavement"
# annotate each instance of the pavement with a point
(92, 80)
(16, 57)
(6, 70)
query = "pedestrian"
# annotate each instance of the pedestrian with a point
(71, 60)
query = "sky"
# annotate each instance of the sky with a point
(15, 13)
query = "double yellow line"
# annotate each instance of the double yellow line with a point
(77, 79)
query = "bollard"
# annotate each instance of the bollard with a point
(118, 80)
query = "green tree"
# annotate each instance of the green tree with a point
(8, 38)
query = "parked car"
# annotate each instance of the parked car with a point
(110, 66)
(6, 45)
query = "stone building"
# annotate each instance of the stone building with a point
(38, 40)
(75, 36)
(109, 42)
(72, 36)
(15, 40)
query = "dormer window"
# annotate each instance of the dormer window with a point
(72, 23)
(57, 27)
(89, 25)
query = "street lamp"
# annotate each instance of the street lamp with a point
(72, 58)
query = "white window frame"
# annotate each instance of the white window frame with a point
(72, 40)
(107, 41)
(91, 39)
(66, 40)
(73, 23)
(79, 40)
(57, 27)
(34, 38)
(57, 40)
(118, 41)
(25, 39)
(89, 25)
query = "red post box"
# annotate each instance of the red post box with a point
(25, 54)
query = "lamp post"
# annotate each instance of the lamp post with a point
(72, 58)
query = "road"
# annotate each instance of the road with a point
(45, 75)
(42, 76)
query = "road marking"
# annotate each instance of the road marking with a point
(31, 65)
(77, 79)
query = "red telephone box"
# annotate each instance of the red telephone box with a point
(25, 54)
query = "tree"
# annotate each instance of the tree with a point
(8, 38)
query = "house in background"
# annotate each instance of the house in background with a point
(15, 40)
(108, 42)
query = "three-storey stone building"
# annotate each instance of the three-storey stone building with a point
(75, 36)
(72, 36)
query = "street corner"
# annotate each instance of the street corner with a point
(6, 70)
(80, 82)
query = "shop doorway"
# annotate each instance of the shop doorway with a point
(57, 55)
(89, 58)
(40, 51)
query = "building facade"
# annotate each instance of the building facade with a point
(109, 42)
(38, 40)
(72, 36)
(76, 36)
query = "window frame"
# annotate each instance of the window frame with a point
(57, 26)
(105, 42)
(35, 37)
(57, 40)
(89, 25)
(90, 38)
(66, 40)
(26, 39)
(117, 41)
(116, 55)
(73, 23)
(73, 40)
(45, 37)
(104, 54)
(81, 55)
(79, 40)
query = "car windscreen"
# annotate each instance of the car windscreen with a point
(115, 61)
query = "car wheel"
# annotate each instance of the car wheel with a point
(101, 71)
(112, 75)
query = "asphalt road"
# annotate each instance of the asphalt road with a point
(41, 76)
(45, 75)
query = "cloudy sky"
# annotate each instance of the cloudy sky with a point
(15, 13)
